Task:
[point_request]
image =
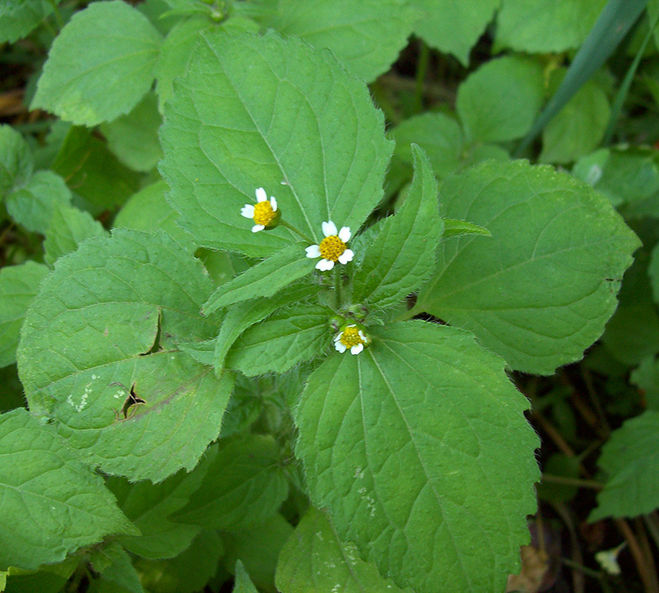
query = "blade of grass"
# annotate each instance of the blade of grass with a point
(621, 95)
(612, 25)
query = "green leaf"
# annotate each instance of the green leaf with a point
(646, 377)
(149, 507)
(633, 332)
(454, 227)
(539, 291)
(116, 569)
(631, 460)
(18, 287)
(243, 488)
(243, 583)
(149, 211)
(536, 26)
(175, 53)
(52, 504)
(93, 172)
(264, 279)
(133, 138)
(366, 36)
(622, 174)
(398, 444)
(19, 17)
(68, 228)
(107, 320)
(188, 572)
(258, 549)
(245, 314)
(258, 111)
(437, 134)
(16, 162)
(50, 578)
(578, 128)
(100, 65)
(402, 256)
(33, 204)
(287, 338)
(500, 100)
(653, 272)
(315, 560)
(453, 27)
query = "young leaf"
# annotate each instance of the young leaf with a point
(500, 100)
(454, 227)
(97, 354)
(16, 162)
(315, 560)
(287, 338)
(33, 204)
(19, 17)
(264, 279)
(398, 443)
(631, 460)
(18, 287)
(261, 111)
(149, 507)
(67, 229)
(366, 36)
(188, 572)
(453, 27)
(243, 582)
(403, 254)
(243, 488)
(540, 289)
(133, 138)
(100, 65)
(245, 314)
(52, 504)
(149, 211)
(117, 573)
(536, 26)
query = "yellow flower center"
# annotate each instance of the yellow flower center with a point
(263, 213)
(331, 248)
(350, 337)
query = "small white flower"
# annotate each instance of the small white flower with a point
(264, 212)
(351, 337)
(332, 248)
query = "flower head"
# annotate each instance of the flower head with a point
(332, 248)
(264, 212)
(351, 336)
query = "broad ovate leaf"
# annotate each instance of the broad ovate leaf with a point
(267, 112)
(100, 65)
(315, 560)
(52, 503)
(366, 36)
(402, 255)
(419, 449)
(16, 162)
(19, 17)
(102, 335)
(453, 27)
(631, 461)
(540, 289)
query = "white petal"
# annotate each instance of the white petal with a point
(346, 256)
(356, 349)
(313, 251)
(247, 211)
(273, 203)
(261, 196)
(337, 337)
(257, 227)
(340, 347)
(351, 325)
(329, 228)
(344, 234)
(361, 335)
(324, 265)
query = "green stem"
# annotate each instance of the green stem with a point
(290, 227)
(58, 16)
(572, 481)
(421, 71)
